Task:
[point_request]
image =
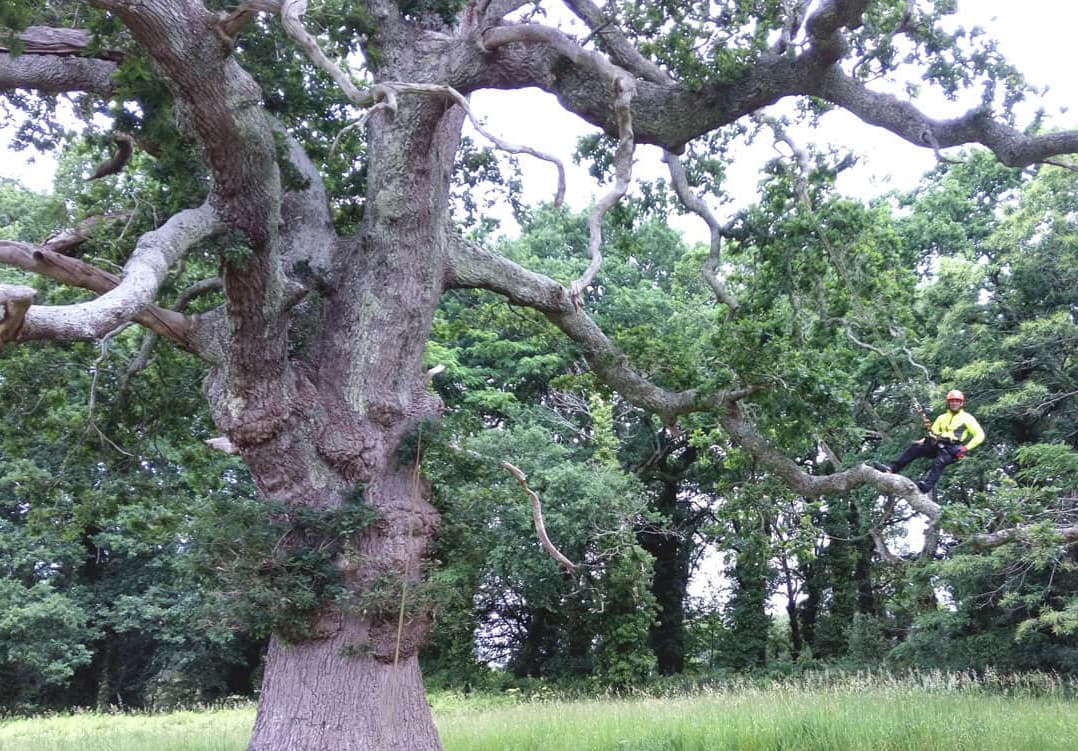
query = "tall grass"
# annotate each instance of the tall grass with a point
(206, 730)
(820, 711)
(816, 712)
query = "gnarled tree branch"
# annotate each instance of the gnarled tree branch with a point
(122, 299)
(475, 267)
(623, 165)
(1012, 147)
(55, 60)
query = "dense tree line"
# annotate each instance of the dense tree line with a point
(122, 536)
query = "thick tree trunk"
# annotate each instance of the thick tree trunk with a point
(347, 404)
(318, 696)
(357, 685)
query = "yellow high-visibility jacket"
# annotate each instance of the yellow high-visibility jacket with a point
(959, 426)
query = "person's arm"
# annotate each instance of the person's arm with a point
(977, 432)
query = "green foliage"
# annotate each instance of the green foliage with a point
(97, 508)
(274, 567)
(43, 641)
(411, 447)
(627, 616)
(589, 623)
(868, 644)
(481, 183)
(15, 17)
(700, 42)
(27, 216)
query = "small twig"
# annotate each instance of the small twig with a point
(93, 387)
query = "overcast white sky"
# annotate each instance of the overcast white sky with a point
(1035, 34)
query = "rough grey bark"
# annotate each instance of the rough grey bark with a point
(317, 424)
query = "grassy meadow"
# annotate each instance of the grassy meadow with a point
(877, 713)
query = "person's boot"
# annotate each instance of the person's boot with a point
(882, 467)
(924, 487)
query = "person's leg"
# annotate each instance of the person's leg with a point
(916, 450)
(943, 458)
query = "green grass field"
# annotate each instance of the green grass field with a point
(874, 714)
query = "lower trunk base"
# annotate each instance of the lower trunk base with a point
(317, 696)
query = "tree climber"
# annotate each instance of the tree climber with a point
(953, 433)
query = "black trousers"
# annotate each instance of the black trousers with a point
(941, 455)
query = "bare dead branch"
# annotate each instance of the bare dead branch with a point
(537, 517)
(1070, 166)
(103, 345)
(461, 100)
(624, 88)
(625, 53)
(292, 12)
(713, 265)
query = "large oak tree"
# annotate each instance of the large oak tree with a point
(316, 354)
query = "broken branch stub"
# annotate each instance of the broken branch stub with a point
(15, 300)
